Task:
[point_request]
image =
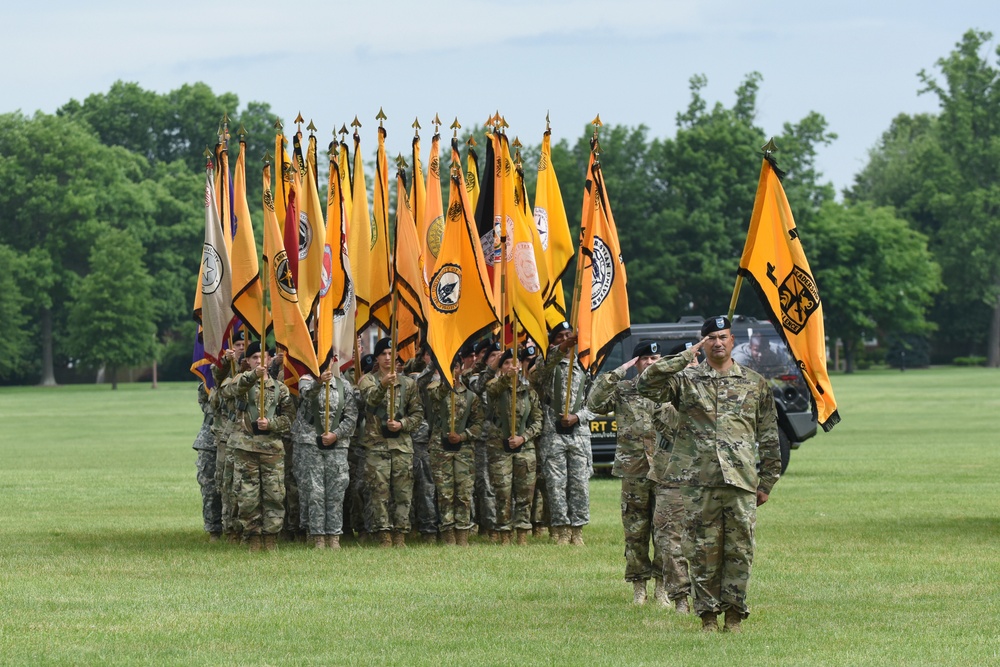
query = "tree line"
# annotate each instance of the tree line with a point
(102, 218)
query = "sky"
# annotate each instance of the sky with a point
(630, 61)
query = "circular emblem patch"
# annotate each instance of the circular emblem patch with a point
(326, 277)
(446, 287)
(602, 274)
(283, 277)
(305, 235)
(212, 270)
(435, 233)
(542, 223)
(374, 232)
(524, 266)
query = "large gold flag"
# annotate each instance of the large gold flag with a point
(223, 187)
(346, 183)
(432, 222)
(472, 173)
(407, 278)
(213, 301)
(379, 277)
(553, 225)
(603, 300)
(290, 330)
(418, 191)
(774, 259)
(312, 236)
(460, 307)
(248, 293)
(360, 244)
(336, 285)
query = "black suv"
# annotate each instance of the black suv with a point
(758, 346)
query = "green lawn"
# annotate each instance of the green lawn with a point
(881, 546)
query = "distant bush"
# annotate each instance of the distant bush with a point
(969, 361)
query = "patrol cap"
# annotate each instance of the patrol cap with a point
(252, 349)
(646, 349)
(367, 363)
(714, 324)
(507, 354)
(527, 352)
(381, 346)
(558, 329)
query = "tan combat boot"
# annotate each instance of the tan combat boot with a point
(494, 537)
(384, 539)
(333, 541)
(553, 533)
(213, 537)
(428, 538)
(318, 541)
(522, 537)
(639, 592)
(709, 621)
(681, 606)
(462, 537)
(576, 536)
(505, 538)
(562, 535)
(253, 543)
(270, 543)
(733, 620)
(660, 592)
(448, 537)
(364, 537)
(233, 538)
(538, 530)
(399, 540)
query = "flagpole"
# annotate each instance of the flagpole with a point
(393, 332)
(263, 343)
(736, 296)
(513, 381)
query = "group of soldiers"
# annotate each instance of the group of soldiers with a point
(505, 449)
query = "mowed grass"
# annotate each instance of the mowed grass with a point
(879, 547)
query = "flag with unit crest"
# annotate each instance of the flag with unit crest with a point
(213, 300)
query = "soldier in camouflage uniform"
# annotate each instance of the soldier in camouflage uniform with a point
(567, 460)
(223, 426)
(474, 360)
(637, 438)
(204, 444)
(727, 420)
(452, 455)
(328, 412)
(388, 473)
(513, 465)
(423, 511)
(354, 503)
(258, 452)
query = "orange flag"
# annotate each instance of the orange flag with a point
(360, 243)
(248, 293)
(312, 235)
(552, 223)
(379, 278)
(432, 223)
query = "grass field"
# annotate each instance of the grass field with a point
(881, 546)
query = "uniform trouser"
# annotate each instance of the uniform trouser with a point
(355, 490)
(388, 490)
(669, 532)
(513, 480)
(539, 506)
(224, 481)
(291, 491)
(211, 500)
(302, 481)
(424, 512)
(638, 504)
(567, 483)
(454, 480)
(259, 480)
(325, 473)
(720, 521)
(486, 500)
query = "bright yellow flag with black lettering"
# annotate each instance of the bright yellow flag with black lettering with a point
(553, 225)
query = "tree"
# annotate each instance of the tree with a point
(110, 321)
(24, 276)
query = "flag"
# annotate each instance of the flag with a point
(359, 235)
(346, 181)
(201, 366)
(460, 307)
(604, 284)
(378, 275)
(248, 294)
(485, 219)
(336, 282)
(552, 223)
(312, 237)
(774, 260)
(290, 330)
(344, 333)
(213, 301)
(224, 194)
(407, 277)
(472, 173)
(432, 222)
(418, 191)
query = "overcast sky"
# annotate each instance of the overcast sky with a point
(629, 60)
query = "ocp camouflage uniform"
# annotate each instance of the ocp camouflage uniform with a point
(636, 443)
(727, 421)
(204, 444)
(324, 473)
(484, 510)
(222, 428)
(670, 523)
(259, 460)
(423, 511)
(512, 473)
(388, 471)
(567, 460)
(454, 466)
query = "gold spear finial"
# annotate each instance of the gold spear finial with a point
(356, 122)
(503, 122)
(381, 116)
(311, 127)
(299, 119)
(548, 127)
(516, 143)
(471, 141)
(343, 130)
(277, 124)
(207, 152)
(769, 147)
(242, 131)
(225, 118)
(597, 121)
(437, 123)
(401, 162)
(455, 126)
(267, 157)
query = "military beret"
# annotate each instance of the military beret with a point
(507, 354)
(467, 350)
(714, 324)
(252, 349)
(367, 363)
(558, 329)
(239, 334)
(527, 352)
(680, 347)
(381, 346)
(646, 349)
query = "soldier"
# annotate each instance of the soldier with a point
(258, 452)
(512, 448)
(726, 418)
(204, 444)
(567, 461)
(636, 444)
(475, 359)
(329, 411)
(355, 501)
(456, 424)
(223, 426)
(393, 408)
(423, 511)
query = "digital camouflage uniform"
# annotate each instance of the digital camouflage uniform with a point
(726, 422)
(454, 466)
(513, 474)
(484, 511)
(323, 473)
(636, 433)
(204, 444)
(259, 460)
(388, 469)
(567, 461)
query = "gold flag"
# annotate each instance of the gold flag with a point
(418, 191)
(248, 293)
(312, 236)
(380, 284)
(432, 222)
(553, 225)
(360, 244)
(407, 278)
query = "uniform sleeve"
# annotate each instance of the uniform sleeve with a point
(480, 380)
(534, 426)
(349, 419)
(284, 413)
(767, 439)
(372, 391)
(602, 398)
(546, 372)
(240, 385)
(414, 410)
(308, 387)
(474, 426)
(497, 386)
(659, 382)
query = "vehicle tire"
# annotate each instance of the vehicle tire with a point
(785, 445)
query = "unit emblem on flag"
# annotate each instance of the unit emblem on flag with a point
(326, 277)
(435, 232)
(446, 287)
(799, 299)
(212, 273)
(603, 272)
(283, 277)
(542, 222)
(524, 265)
(374, 232)
(305, 235)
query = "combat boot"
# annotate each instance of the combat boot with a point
(522, 537)
(333, 541)
(448, 537)
(399, 540)
(384, 539)
(494, 537)
(562, 535)
(253, 543)
(576, 536)
(318, 541)
(639, 592)
(733, 621)
(364, 537)
(681, 606)
(270, 542)
(505, 538)
(428, 538)
(709, 621)
(462, 537)
(660, 592)
(233, 538)
(213, 537)
(538, 530)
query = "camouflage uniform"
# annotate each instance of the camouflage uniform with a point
(222, 428)
(513, 473)
(726, 422)
(485, 500)
(454, 465)
(636, 443)
(323, 475)
(259, 460)
(423, 511)
(388, 468)
(204, 444)
(567, 461)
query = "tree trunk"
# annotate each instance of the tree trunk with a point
(48, 370)
(849, 357)
(154, 373)
(114, 378)
(993, 342)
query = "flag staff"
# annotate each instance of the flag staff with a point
(266, 291)
(769, 149)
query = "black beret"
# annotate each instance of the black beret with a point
(680, 347)
(527, 352)
(714, 324)
(467, 350)
(646, 348)
(239, 334)
(367, 363)
(558, 329)
(381, 346)
(507, 354)
(252, 349)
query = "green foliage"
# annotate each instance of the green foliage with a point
(969, 361)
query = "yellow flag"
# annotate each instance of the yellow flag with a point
(472, 174)
(343, 334)
(360, 244)
(774, 259)
(312, 236)
(432, 223)
(553, 225)
(248, 293)
(334, 281)
(407, 278)
(380, 281)
(418, 192)
(346, 188)
(459, 306)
